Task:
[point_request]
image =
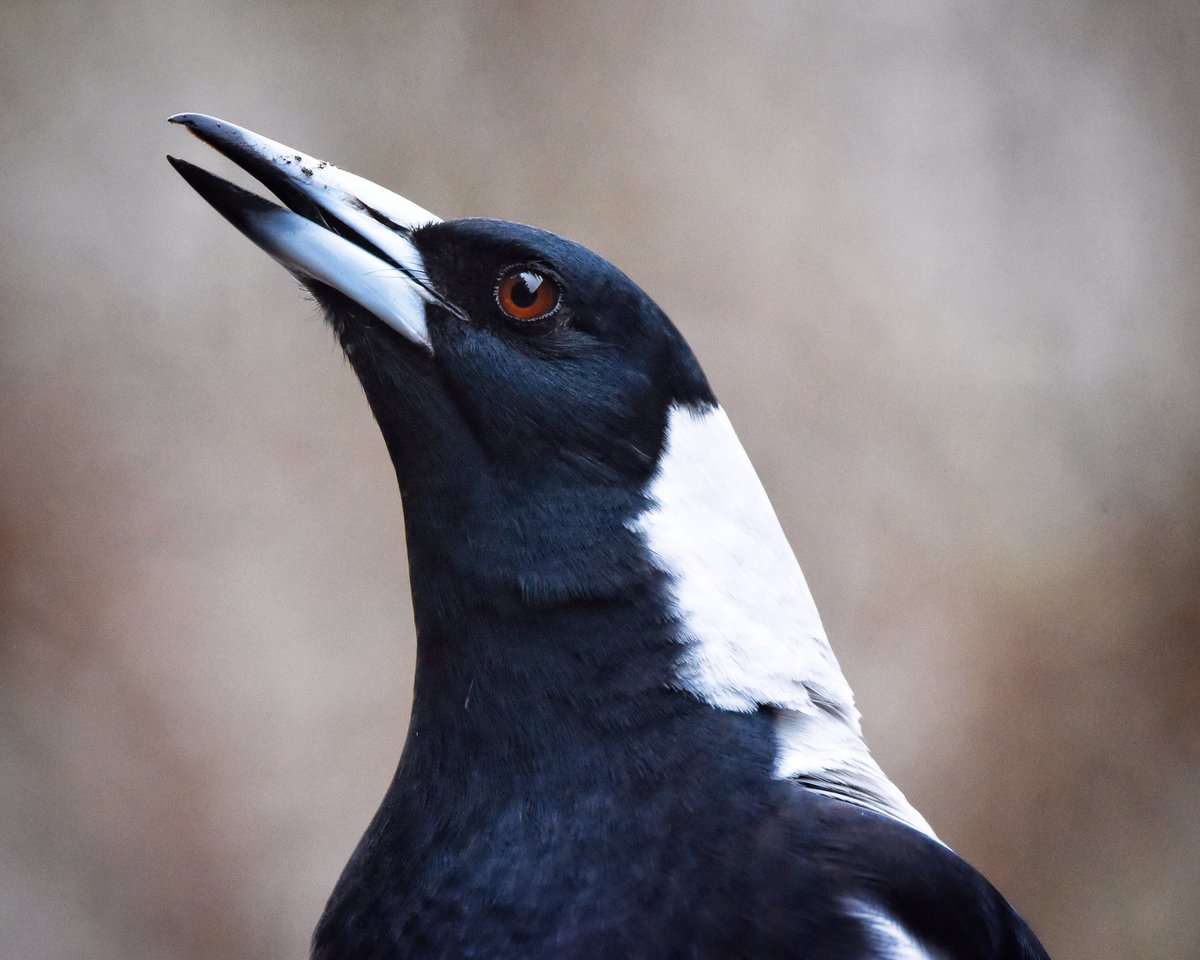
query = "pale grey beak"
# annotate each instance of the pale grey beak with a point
(345, 231)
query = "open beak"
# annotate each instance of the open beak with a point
(342, 230)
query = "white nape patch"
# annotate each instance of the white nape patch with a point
(753, 634)
(888, 937)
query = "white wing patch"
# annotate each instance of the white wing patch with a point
(888, 937)
(753, 634)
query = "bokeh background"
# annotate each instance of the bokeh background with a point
(942, 263)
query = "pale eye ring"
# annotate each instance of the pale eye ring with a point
(527, 293)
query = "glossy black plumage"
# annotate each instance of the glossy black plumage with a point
(562, 792)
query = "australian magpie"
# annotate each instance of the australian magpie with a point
(629, 737)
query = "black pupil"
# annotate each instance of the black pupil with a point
(524, 291)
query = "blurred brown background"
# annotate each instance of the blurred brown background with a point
(940, 260)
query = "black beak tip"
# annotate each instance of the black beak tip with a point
(196, 123)
(214, 132)
(194, 120)
(189, 171)
(230, 200)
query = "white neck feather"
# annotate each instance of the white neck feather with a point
(754, 638)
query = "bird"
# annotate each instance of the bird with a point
(630, 737)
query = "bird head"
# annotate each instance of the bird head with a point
(487, 349)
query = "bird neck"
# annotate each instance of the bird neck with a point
(556, 622)
(540, 620)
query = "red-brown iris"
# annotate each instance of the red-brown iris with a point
(525, 293)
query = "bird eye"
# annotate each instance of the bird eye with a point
(527, 294)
